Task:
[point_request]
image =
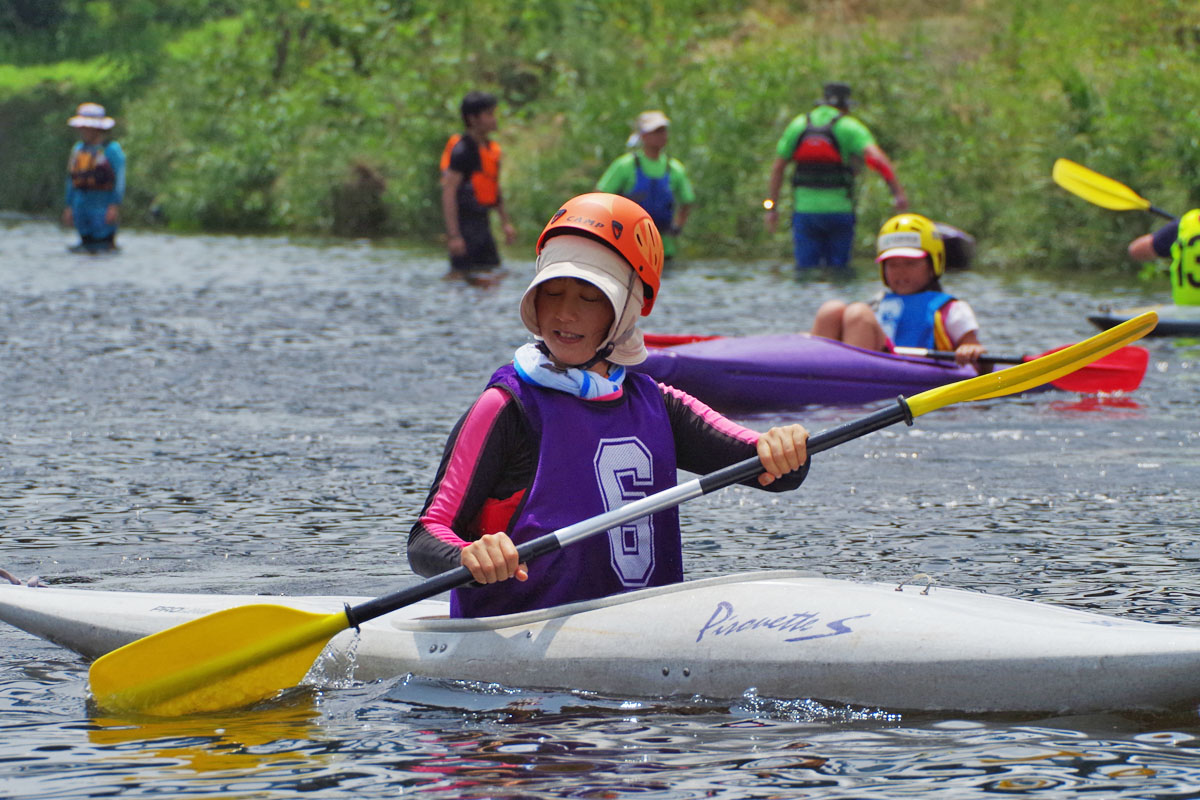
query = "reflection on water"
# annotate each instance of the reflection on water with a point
(261, 415)
(489, 743)
(251, 740)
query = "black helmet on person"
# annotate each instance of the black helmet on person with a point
(837, 95)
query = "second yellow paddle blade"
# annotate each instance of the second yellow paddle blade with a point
(1097, 189)
(229, 659)
(1037, 372)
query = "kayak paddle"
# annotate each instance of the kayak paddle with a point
(1119, 371)
(673, 339)
(1101, 190)
(242, 655)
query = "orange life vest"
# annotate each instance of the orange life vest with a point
(90, 169)
(486, 180)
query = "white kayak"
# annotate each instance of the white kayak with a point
(785, 634)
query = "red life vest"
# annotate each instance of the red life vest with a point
(818, 158)
(485, 180)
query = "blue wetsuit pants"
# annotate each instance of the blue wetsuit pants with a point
(822, 240)
(88, 209)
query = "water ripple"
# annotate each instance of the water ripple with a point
(242, 414)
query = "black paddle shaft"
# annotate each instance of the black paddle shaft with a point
(949, 355)
(668, 498)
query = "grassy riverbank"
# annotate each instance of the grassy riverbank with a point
(253, 120)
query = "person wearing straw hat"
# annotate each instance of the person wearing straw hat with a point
(566, 432)
(95, 181)
(95, 184)
(826, 147)
(650, 178)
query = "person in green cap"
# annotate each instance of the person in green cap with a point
(651, 179)
(827, 147)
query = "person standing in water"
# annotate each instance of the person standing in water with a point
(653, 180)
(827, 148)
(471, 190)
(95, 181)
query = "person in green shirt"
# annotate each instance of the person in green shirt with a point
(827, 147)
(650, 178)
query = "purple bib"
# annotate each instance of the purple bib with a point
(593, 456)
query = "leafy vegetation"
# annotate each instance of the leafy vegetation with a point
(252, 115)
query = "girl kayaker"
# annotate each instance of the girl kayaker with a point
(565, 432)
(914, 311)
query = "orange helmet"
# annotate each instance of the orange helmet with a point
(619, 223)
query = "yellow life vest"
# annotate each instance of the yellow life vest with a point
(1185, 261)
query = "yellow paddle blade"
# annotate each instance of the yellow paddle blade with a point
(229, 659)
(1096, 188)
(1037, 372)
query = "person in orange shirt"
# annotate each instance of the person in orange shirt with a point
(471, 189)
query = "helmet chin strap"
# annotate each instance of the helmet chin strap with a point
(601, 354)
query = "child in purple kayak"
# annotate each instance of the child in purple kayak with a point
(565, 432)
(914, 311)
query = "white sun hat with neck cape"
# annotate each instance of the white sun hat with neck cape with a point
(586, 259)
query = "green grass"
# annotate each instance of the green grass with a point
(17, 81)
(250, 122)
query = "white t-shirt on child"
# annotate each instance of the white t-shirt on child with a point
(960, 320)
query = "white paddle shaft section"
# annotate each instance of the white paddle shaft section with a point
(735, 473)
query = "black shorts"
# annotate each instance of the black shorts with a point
(481, 246)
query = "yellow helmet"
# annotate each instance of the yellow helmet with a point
(911, 236)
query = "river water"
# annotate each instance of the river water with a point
(264, 415)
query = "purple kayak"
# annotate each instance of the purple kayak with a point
(748, 374)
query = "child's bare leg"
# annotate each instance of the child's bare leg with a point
(828, 322)
(861, 329)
